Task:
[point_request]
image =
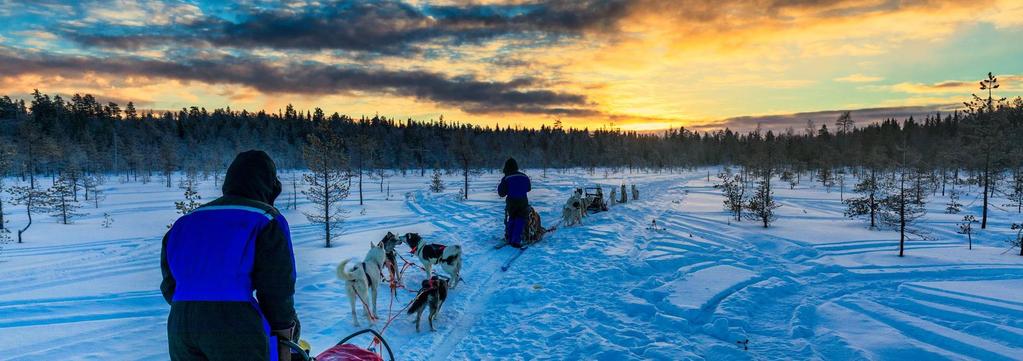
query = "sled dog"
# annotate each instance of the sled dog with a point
(433, 293)
(363, 281)
(448, 257)
(572, 213)
(391, 256)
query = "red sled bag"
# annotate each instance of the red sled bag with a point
(348, 352)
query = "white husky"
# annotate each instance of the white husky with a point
(572, 213)
(363, 280)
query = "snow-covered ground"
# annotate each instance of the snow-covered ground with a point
(816, 285)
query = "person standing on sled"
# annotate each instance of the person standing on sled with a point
(213, 260)
(514, 187)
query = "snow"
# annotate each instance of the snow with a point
(816, 285)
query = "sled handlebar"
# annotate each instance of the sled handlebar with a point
(295, 348)
(305, 355)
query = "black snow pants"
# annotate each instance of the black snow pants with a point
(216, 331)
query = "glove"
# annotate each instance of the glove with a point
(283, 351)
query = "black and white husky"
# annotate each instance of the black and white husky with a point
(363, 281)
(448, 257)
(433, 293)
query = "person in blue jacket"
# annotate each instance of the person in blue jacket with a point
(514, 187)
(229, 271)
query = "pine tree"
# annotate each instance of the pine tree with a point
(192, 197)
(35, 201)
(761, 204)
(6, 160)
(328, 180)
(900, 210)
(790, 178)
(869, 203)
(953, 206)
(731, 187)
(436, 184)
(1017, 239)
(63, 204)
(1016, 195)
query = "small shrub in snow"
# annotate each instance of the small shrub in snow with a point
(107, 220)
(953, 206)
(966, 227)
(1017, 240)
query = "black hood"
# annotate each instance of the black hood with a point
(252, 175)
(510, 166)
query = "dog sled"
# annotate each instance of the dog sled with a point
(534, 230)
(597, 203)
(343, 351)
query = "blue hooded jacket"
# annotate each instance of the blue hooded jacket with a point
(231, 257)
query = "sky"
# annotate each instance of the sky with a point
(629, 64)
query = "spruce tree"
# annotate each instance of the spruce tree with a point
(868, 204)
(436, 184)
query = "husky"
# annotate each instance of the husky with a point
(448, 257)
(363, 281)
(391, 256)
(572, 213)
(434, 292)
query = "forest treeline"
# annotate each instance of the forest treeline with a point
(48, 134)
(78, 142)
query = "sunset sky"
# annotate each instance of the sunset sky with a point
(638, 64)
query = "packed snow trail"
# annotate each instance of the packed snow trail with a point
(816, 285)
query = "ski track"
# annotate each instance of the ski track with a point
(613, 288)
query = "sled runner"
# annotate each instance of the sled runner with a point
(343, 351)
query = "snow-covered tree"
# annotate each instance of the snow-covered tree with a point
(328, 181)
(966, 227)
(64, 206)
(436, 184)
(869, 202)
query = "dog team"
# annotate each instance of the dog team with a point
(362, 281)
(581, 201)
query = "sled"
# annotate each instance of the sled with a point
(534, 230)
(598, 204)
(534, 233)
(342, 351)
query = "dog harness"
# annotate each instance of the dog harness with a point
(433, 251)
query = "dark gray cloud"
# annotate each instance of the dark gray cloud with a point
(466, 93)
(374, 26)
(780, 122)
